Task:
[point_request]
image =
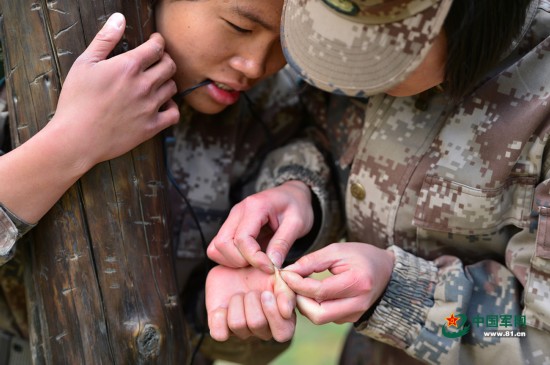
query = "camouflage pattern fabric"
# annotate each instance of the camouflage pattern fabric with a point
(460, 193)
(215, 160)
(359, 47)
(8, 236)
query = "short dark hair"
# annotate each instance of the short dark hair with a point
(479, 32)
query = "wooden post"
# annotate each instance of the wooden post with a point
(102, 288)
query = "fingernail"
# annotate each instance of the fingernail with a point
(267, 269)
(276, 258)
(268, 298)
(116, 20)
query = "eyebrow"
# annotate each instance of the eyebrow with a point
(253, 17)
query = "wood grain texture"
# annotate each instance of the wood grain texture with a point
(102, 286)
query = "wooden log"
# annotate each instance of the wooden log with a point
(102, 285)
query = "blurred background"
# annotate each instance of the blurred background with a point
(312, 344)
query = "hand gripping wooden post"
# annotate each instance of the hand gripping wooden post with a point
(102, 285)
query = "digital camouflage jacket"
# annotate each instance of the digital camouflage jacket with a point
(461, 194)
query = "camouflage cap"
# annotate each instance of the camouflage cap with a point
(359, 47)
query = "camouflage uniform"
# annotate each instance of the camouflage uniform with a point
(460, 193)
(215, 160)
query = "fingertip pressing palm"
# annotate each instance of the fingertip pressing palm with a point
(249, 302)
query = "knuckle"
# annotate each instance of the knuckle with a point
(236, 208)
(283, 243)
(239, 238)
(174, 117)
(104, 36)
(257, 324)
(306, 261)
(320, 294)
(211, 249)
(145, 88)
(159, 39)
(156, 47)
(237, 325)
(223, 244)
(254, 202)
(171, 65)
(132, 65)
(333, 247)
(172, 87)
(317, 319)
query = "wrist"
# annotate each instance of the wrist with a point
(71, 153)
(297, 184)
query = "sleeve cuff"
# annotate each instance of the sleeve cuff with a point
(8, 237)
(403, 308)
(11, 229)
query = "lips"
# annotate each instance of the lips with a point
(223, 93)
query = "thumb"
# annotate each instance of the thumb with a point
(106, 39)
(286, 298)
(316, 261)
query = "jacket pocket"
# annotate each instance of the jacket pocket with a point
(452, 207)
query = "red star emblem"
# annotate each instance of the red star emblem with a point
(452, 320)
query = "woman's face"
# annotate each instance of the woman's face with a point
(430, 73)
(233, 43)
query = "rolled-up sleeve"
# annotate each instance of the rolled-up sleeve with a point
(11, 229)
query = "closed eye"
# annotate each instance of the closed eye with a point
(237, 28)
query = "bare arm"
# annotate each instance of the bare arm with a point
(106, 108)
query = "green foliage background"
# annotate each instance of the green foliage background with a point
(312, 344)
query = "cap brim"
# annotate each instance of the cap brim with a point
(341, 56)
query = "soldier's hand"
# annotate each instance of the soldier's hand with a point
(248, 302)
(360, 271)
(109, 106)
(285, 210)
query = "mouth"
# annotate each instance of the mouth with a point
(187, 91)
(223, 93)
(223, 86)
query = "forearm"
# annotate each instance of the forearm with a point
(36, 174)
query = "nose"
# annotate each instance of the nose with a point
(252, 63)
(251, 68)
